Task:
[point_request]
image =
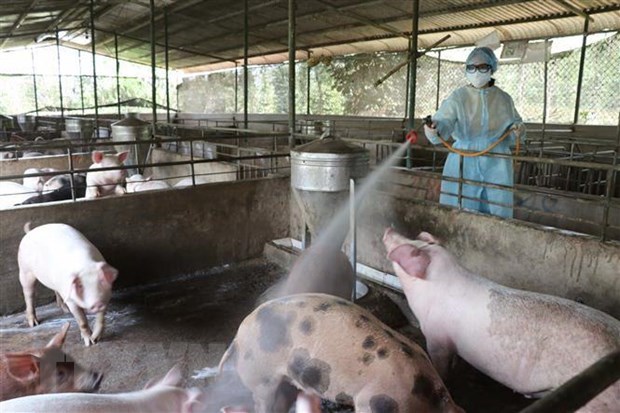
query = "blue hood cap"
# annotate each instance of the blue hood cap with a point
(483, 54)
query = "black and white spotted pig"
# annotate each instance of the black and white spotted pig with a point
(330, 347)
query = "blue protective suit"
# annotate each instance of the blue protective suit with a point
(475, 118)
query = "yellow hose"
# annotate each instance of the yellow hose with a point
(482, 152)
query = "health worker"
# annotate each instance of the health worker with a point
(476, 116)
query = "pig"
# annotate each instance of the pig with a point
(161, 396)
(44, 370)
(36, 183)
(528, 341)
(12, 193)
(329, 347)
(103, 183)
(33, 182)
(62, 259)
(61, 191)
(138, 183)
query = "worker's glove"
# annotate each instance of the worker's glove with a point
(431, 132)
(518, 130)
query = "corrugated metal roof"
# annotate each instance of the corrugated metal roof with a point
(208, 34)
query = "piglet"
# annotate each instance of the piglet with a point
(62, 259)
(12, 193)
(138, 183)
(329, 347)
(33, 182)
(103, 183)
(44, 370)
(528, 341)
(162, 396)
(58, 188)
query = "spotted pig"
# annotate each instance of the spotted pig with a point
(329, 347)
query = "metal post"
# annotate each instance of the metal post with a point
(581, 65)
(153, 62)
(407, 103)
(34, 82)
(71, 175)
(245, 62)
(191, 155)
(438, 79)
(308, 86)
(408, 80)
(291, 72)
(352, 228)
(413, 64)
(545, 85)
(92, 45)
(81, 80)
(118, 71)
(167, 64)
(62, 109)
(460, 195)
(236, 88)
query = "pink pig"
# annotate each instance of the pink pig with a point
(528, 341)
(162, 396)
(44, 370)
(62, 259)
(103, 183)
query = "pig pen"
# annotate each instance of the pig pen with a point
(189, 321)
(185, 283)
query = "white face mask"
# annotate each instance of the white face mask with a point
(478, 79)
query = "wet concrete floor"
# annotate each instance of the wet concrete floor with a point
(190, 321)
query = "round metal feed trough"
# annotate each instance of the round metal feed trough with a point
(327, 164)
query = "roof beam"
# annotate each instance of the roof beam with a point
(279, 40)
(138, 23)
(573, 9)
(362, 19)
(18, 22)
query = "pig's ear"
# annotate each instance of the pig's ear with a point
(22, 367)
(59, 339)
(122, 156)
(413, 260)
(173, 377)
(426, 237)
(97, 156)
(108, 273)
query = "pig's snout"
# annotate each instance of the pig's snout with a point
(97, 307)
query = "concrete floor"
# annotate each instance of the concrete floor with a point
(191, 320)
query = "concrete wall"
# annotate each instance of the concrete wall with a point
(157, 235)
(510, 252)
(17, 166)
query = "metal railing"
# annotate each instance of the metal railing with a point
(601, 195)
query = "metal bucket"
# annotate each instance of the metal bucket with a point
(320, 175)
(132, 128)
(80, 131)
